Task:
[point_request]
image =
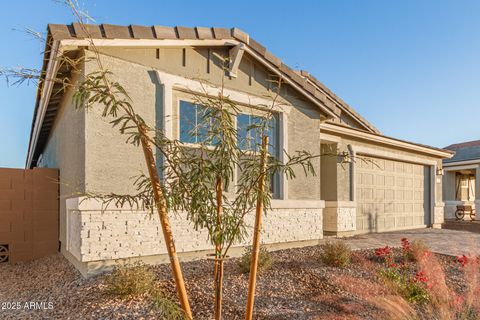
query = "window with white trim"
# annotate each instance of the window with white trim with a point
(193, 127)
(250, 138)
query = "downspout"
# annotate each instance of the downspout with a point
(352, 172)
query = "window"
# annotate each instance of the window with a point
(465, 187)
(193, 128)
(249, 135)
(249, 138)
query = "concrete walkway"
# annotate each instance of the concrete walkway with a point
(449, 242)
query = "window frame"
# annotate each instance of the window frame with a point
(282, 193)
(275, 180)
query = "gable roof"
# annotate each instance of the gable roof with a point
(464, 151)
(301, 77)
(74, 35)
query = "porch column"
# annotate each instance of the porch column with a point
(338, 191)
(436, 197)
(477, 188)
(449, 193)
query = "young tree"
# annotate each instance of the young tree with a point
(199, 179)
(202, 181)
(252, 280)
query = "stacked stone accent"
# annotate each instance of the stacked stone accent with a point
(438, 215)
(340, 217)
(96, 234)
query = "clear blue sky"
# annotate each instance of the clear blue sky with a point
(412, 68)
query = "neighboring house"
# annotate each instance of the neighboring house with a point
(461, 182)
(160, 67)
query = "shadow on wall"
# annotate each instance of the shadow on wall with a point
(373, 216)
(373, 220)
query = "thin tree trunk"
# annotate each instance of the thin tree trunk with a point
(219, 288)
(218, 269)
(252, 281)
(167, 231)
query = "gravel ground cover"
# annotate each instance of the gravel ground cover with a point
(298, 286)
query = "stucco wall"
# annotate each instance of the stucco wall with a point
(251, 78)
(304, 134)
(110, 162)
(328, 175)
(65, 150)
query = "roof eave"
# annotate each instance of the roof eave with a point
(70, 37)
(379, 138)
(43, 91)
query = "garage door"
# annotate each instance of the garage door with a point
(391, 195)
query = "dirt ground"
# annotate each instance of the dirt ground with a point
(298, 286)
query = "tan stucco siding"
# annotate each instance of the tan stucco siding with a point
(328, 176)
(304, 134)
(196, 65)
(252, 77)
(65, 150)
(346, 119)
(110, 162)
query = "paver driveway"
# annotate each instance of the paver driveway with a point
(450, 242)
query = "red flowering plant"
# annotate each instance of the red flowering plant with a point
(410, 283)
(421, 277)
(463, 260)
(429, 287)
(405, 246)
(468, 261)
(385, 253)
(390, 271)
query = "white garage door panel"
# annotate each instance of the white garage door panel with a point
(390, 195)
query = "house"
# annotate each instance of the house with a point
(462, 177)
(162, 68)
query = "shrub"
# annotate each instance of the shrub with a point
(417, 288)
(169, 309)
(413, 288)
(265, 260)
(129, 279)
(336, 254)
(418, 249)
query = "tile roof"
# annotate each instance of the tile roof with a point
(456, 146)
(464, 151)
(108, 31)
(134, 32)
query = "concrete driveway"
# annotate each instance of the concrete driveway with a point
(449, 242)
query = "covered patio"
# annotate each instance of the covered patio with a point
(461, 181)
